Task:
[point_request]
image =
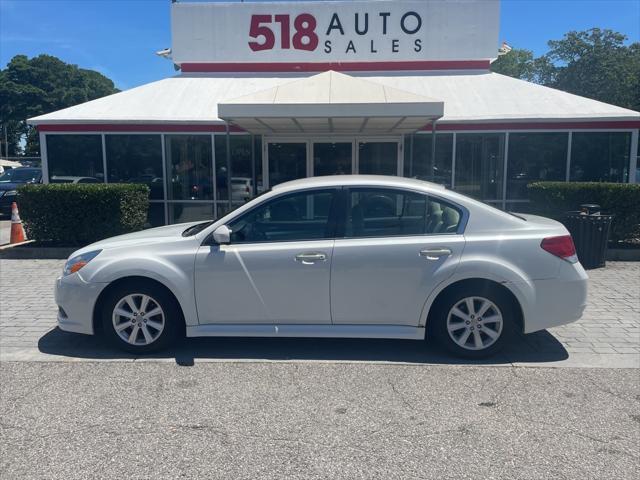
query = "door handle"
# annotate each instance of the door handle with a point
(309, 258)
(435, 253)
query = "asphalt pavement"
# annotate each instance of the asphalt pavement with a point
(316, 421)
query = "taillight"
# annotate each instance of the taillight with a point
(562, 247)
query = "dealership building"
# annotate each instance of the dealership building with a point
(269, 92)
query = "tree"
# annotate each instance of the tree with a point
(518, 63)
(43, 84)
(594, 63)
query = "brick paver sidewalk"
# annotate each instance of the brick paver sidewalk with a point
(607, 335)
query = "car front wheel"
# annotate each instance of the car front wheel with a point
(474, 324)
(140, 318)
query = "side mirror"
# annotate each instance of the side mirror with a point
(222, 235)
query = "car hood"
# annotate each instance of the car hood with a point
(144, 237)
(9, 185)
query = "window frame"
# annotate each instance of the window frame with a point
(332, 224)
(346, 192)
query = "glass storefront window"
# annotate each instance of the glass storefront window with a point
(535, 157)
(600, 156)
(417, 158)
(155, 216)
(191, 212)
(189, 167)
(378, 158)
(479, 165)
(75, 156)
(287, 161)
(242, 187)
(332, 158)
(136, 159)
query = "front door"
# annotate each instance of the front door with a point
(379, 156)
(397, 247)
(277, 267)
(286, 160)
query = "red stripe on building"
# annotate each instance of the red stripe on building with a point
(497, 126)
(501, 126)
(133, 127)
(337, 66)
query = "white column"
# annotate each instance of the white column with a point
(505, 171)
(633, 157)
(568, 171)
(165, 176)
(104, 159)
(453, 162)
(43, 157)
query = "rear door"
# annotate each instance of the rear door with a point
(397, 246)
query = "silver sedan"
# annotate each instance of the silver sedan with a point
(346, 256)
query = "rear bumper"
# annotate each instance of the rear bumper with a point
(557, 301)
(76, 300)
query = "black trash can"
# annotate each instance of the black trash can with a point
(590, 232)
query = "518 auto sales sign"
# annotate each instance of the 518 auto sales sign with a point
(334, 32)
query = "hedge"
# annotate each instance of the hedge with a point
(553, 199)
(78, 214)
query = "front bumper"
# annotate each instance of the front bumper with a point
(76, 300)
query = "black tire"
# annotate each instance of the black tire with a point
(504, 306)
(159, 297)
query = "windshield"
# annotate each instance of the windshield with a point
(20, 175)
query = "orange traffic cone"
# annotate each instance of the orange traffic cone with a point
(17, 232)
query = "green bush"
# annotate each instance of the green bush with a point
(78, 214)
(553, 199)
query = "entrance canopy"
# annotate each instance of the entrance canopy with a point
(331, 102)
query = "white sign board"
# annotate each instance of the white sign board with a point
(342, 31)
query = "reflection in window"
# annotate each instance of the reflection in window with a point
(155, 216)
(242, 187)
(378, 158)
(600, 157)
(417, 158)
(75, 156)
(190, 212)
(287, 161)
(479, 165)
(387, 212)
(299, 216)
(136, 159)
(331, 158)
(535, 157)
(189, 167)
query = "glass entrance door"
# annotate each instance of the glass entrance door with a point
(378, 157)
(286, 161)
(332, 158)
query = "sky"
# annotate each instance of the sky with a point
(119, 38)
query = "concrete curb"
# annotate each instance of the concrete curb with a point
(623, 254)
(24, 251)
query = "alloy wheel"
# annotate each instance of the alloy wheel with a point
(138, 319)
(475, 323)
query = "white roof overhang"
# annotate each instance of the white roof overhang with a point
(331, 102)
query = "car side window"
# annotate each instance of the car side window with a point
(382, 212)
(295, 217)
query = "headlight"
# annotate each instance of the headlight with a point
(1, 193)
(10, 193)
(76, 263)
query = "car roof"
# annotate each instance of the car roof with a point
(356, 180)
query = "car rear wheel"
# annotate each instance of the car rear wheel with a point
(474, 324)
(140, 318)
